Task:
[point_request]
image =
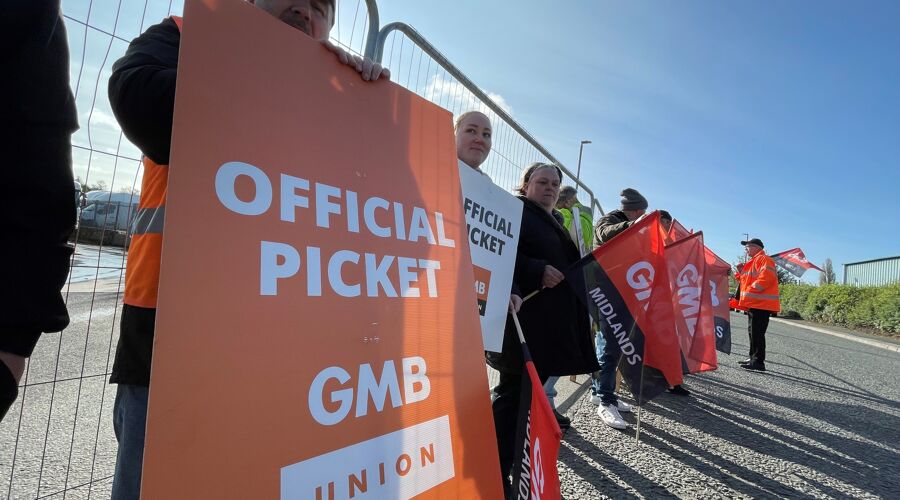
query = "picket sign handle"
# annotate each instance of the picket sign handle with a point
(518, 326)
(530, 295)
(516, 317)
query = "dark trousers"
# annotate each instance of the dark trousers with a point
(506, 396)
(756, 327)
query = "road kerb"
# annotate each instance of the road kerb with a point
(861, 340)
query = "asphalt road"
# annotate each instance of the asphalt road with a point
(823, 422)
(64, 439)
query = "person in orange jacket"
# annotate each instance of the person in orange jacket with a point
(758, 289)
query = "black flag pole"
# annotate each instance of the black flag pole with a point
(637, 433)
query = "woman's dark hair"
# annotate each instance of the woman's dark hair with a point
(526, 175)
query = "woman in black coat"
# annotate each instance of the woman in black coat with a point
(554, 322)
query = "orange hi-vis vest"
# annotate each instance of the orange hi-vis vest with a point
(142, 271)
(759, 284)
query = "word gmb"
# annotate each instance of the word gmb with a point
(334, 392)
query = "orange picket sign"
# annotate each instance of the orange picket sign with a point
(316, 334)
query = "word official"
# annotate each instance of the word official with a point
(330, 207)
(478, 236)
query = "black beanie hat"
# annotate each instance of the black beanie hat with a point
(633, 200)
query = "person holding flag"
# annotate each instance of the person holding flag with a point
(554, 322)
(603, 383)
(758, 293)
(581, 233)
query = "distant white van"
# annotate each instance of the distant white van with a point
(110, 211)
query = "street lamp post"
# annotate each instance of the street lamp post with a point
(578, 173)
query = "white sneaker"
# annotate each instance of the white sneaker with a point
(622, 405)
(610, 416)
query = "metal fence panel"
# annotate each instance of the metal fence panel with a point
(421, 68)
(876, 272)
(57, 441)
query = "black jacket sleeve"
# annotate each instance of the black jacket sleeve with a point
(608, 226)
(142, 90)
(34, 89)
(528, 274)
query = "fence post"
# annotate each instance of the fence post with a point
(374, 27)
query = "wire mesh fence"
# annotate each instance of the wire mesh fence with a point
(421, 68)
(57, 441)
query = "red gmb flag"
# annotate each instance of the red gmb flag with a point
(794, 260)
(717, 273)
(676, 232)
(537, 440)
(694, 322)
(625, 286)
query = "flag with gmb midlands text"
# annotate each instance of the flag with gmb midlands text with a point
(624, 284)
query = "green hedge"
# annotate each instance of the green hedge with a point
(869, 307)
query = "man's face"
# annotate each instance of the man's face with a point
(633, 214)
(567, 204)
(752, 250)
(313, 17)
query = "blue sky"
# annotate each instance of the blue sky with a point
(778, 119)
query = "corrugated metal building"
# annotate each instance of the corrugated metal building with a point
(873, 272)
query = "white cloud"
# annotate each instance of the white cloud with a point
(103, 119)
(458, 99)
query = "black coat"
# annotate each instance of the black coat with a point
(554, 321)
(142, 89)
(609, 226)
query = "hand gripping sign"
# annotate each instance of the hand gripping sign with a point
(316, 335)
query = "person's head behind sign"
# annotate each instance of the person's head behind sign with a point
(313, 17)
(473, 138)
(634, 204)
(568, 197)
(540, 184)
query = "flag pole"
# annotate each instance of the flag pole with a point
(530, 295)
(518, 326)
(637, 434)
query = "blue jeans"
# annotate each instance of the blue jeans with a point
(129, 424)
(603, 382)
(550, 391)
